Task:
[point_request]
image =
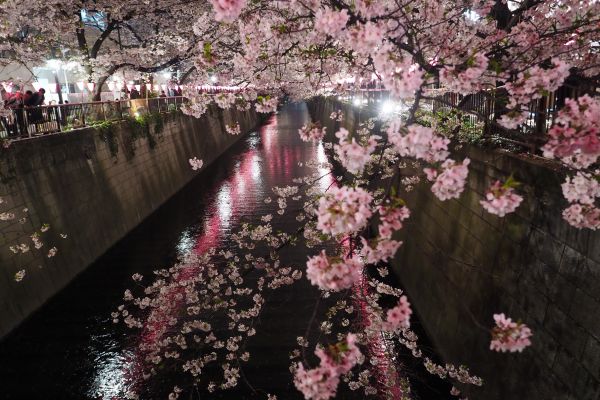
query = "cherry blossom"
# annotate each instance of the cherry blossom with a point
(501, 199)
(509, 336)
(353, 155)
(333, 273)
(266, 106)
(391, 218)
(196, 163)
(399, 316)
(321, 383)
(227, 10)
(233, 129)
(584, 188)
(465, 80)
(574, 137)
(312, 132)
(344, 210)
(450, 183)
(330, 22)
(583, 216)
(419, 142)
(383, 250)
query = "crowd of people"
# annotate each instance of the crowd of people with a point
(21, 114)
(24, 107)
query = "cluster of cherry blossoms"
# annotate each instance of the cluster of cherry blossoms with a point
(582, 191)
(321, 383)
(574, 138)
(196, 163)
(312, 133)
(448, 183)
(233, 129)
(344, 210)
(508, 335)
(467, 79)
(353, 155)
(335, 273)
(501, 199)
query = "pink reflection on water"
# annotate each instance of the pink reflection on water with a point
(388, 379)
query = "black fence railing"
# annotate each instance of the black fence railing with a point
(18, 123)
(484, 108)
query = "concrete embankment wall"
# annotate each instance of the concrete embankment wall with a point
(460, 264)
(94, 185)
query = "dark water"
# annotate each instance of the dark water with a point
(70, 349)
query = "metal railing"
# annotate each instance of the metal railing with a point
(483, 108)
(26, 122)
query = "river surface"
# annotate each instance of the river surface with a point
(70, 349)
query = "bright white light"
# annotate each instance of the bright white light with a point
(388, 107)
(54, 64)
(213, 79)
(167, 75)
(356, 102)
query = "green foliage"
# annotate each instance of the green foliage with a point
(453, 124)
(107, 133)
(140, 127)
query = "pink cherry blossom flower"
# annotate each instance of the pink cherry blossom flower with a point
(341, 357)
(312, 132)
(508, 335)
(391, 219)
(582, 216)
(384, 250)
(233, 129)
(266, 106)
(227, 10)
(574, 137)
(398, 318)
(583, 188)
(321, 383)
(195, 163)
(343, 210)
(330, 22)
(316, 384)
(450, 183)
(333, 273)
(354, 156)
(501, 200)
(467, 80)
(400, 76)
(419, 142)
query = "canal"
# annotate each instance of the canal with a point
(71, 349)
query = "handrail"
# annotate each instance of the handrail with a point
(26, 122)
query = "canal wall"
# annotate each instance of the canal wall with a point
(460, 264)
(93, 185)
